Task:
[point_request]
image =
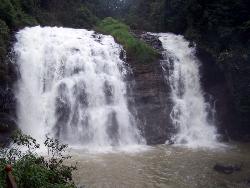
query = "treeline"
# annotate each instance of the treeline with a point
(146, 15)
(15, 14)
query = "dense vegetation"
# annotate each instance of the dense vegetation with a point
(34, 171)
(136, 49)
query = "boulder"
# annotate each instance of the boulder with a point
(227, 169)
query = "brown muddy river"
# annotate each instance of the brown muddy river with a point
(162, 167)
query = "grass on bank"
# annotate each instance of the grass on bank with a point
(136, 49)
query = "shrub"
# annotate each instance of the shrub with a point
(137, 50)
(11, 12)
(32, 170)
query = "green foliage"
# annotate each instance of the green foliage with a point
(137, 50)
(30, 6)
(146, 15)
(32, 170)
(83, 17)
(14, 16)
(139, 14)
(7, 11)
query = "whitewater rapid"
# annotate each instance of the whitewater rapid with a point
(72, 87)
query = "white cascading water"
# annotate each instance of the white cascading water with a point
(72, 87)
(190, 111)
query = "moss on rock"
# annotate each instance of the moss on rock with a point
(137, 50)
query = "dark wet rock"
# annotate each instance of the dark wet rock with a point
(7, 100)
(218, 94)
(7, 126)
(150, 39)
(223, 136)
(7, 113)
(153, 41)
(227, 169)
(151, 96)
(7, 123)
(151, 101)
(248, 181)
(63, 110)
(113, 127)
(246, 138)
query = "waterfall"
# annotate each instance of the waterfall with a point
(190, 112)
(72, 87)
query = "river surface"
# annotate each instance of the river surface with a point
(163, 167)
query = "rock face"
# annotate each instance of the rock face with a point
(7, 117)
(151, 95)
(218, 93)
(7, 106)
(153, 102)
(151, 98)
(7, 125)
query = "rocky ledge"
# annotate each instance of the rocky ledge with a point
(151, 96)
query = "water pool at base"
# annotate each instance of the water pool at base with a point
(162, 167)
